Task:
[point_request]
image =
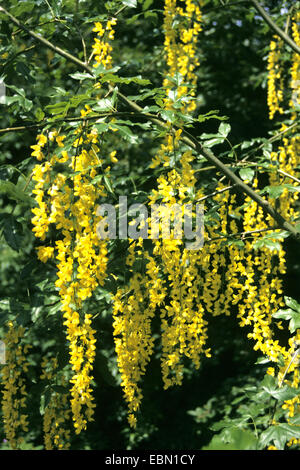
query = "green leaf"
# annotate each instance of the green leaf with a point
(21, 100)
(53, 309)
(295, 420)
(270, 386)
(147, 4)
(275, 191)
(12, 231)
(283, 393)
(39, 114)
(107, 184)
(224, 129)
(116, 79)
(45, 399)
(97, 179)
(14, 192)
(267, 242)
(76, 100)
(101, 126)
(81, 76)
(103, 105)
(168, 115)
(279, 435)
(57, 108)
(233, 439)
(292, 314)
(126, 133)
(22, 7)
(213, 114)
(247, 174)
(292, 303)
(130, 3)
(210, 143)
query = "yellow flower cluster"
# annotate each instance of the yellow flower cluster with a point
(275, 74)
(220, 281)
(15, 419)
(183, 327)
(169, 286)
(71, 209)
(102, 48)
(286, 159)
(262, 289)
(182, 286)
(275, 79)
(133, 339)
(57, 411)
(67, 200)
(295, 67)
(239, 275)
(180, 43)
(289, 374)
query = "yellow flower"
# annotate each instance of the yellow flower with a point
(112, 156)
(45, 253)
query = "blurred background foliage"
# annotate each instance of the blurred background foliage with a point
(231, 80)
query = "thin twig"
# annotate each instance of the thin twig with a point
(243, 234)
(288, 176)
(215, 193)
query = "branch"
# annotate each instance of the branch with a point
(91, 117)
(288, 175)
(276, 28)
(220, 191)
(187, 138)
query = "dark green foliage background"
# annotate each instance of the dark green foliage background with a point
(232, 80)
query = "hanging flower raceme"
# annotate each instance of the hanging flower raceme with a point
(15, 419)
(183, 327)
(57, 411)
(134, 343)
(284, 178)
(262, 288)
(275, 78)
(180, 51)
(67, 201)
(102, 48)
(295, 67)
(71, 209)
(170, 281)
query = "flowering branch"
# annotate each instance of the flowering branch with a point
(186, 137)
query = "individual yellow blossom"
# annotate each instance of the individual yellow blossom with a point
(112, 156)
(45, 253)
